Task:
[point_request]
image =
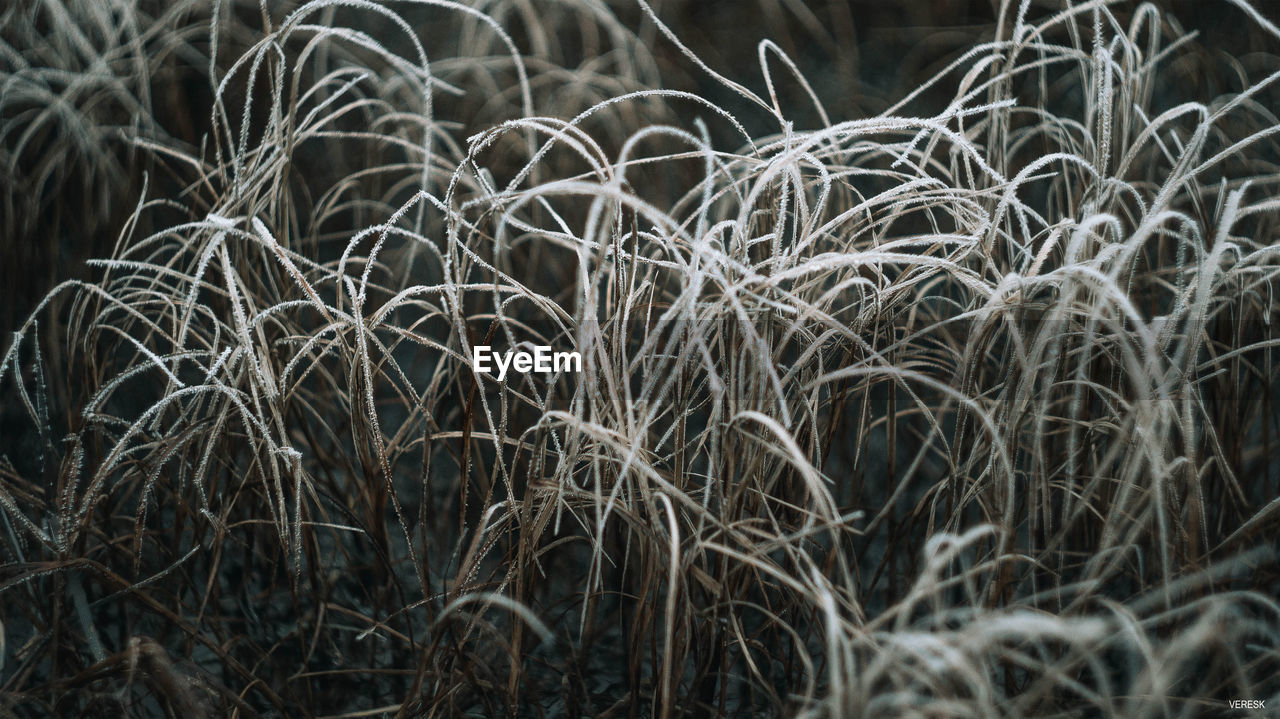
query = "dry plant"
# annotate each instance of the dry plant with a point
(963, 409)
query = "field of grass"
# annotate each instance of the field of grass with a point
(927, 379)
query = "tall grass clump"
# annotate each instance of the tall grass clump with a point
(959, 408)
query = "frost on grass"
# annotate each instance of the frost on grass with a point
(959, 409)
